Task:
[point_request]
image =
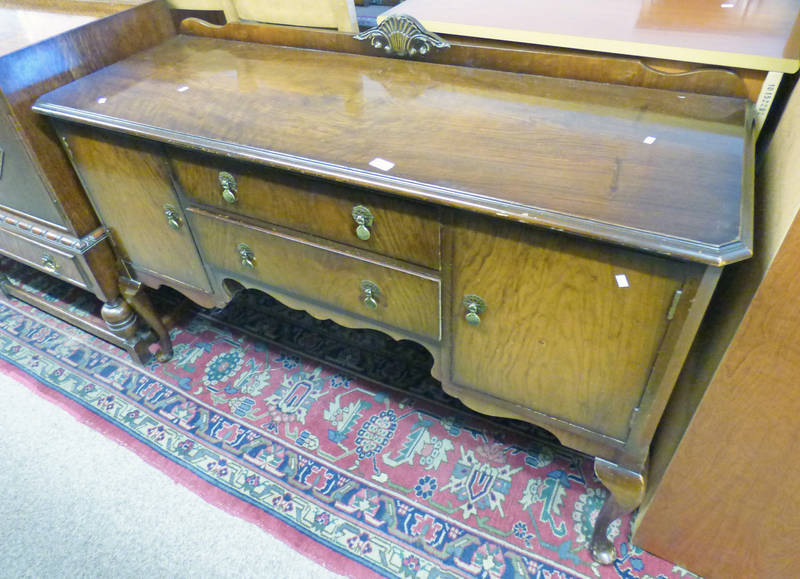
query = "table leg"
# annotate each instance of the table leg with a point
(627, 491)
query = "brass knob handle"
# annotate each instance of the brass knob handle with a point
(370, 294)
(363, 218)
(173, 219)
(229, 187)
(246, 256)
(475, 305)
(49, 263)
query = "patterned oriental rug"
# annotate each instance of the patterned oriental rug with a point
(337, 441)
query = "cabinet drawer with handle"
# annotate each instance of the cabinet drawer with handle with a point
(53, 261)
(387, 295)
(388, 226)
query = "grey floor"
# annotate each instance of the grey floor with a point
(75, 504)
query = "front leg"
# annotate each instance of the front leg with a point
(121, 321)
(627, 491)
(134, 294)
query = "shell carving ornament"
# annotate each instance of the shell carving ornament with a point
(402, 35)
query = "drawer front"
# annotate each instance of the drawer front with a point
(53, 261)
(401, 299)
(392, 227)
(21, 188)
(568, 327)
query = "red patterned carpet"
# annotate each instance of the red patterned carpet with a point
(338, 441)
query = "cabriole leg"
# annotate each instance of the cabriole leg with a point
(627, 491)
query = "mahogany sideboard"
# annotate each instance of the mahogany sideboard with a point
(46, 220)
(553, 243)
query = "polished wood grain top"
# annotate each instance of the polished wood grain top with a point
(23, 23)
(659, 170)
(757, 34)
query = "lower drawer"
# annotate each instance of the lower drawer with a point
(367, 289)
(53, 261)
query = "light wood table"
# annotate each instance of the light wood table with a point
(734, 33)
(739, 34)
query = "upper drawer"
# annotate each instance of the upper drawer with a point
(393, 227)
(364, 288)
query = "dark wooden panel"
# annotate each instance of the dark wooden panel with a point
(406, 301)
(561, 334)
(129, 183)
(404, 230)
(634, 165)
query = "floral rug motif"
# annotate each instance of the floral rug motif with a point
(343, 436)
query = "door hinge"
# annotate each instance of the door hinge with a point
(634, 415)
(673, 307)
(65, 144)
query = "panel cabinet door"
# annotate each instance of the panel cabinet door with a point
(130, 186)
(21, 187)
(571, 328)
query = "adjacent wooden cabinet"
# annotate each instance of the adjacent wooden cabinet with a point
(553, 243)
(46, 221)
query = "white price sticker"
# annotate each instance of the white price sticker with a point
(381, 164)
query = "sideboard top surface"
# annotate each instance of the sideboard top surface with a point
(659, 170)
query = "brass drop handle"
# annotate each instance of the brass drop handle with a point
(475, 305)
(229, 187)
(246, 256)
(49, 263)
(363, 218)
(370, 294)
(173, 219)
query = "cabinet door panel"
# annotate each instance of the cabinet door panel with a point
(562, 334)
(129, 184)
(21, 188)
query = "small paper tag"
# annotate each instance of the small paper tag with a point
(381, 164)
(102, 100)
(183, 89)
(622, 280)
(649, 140)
